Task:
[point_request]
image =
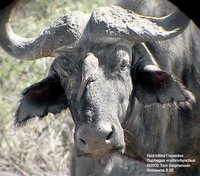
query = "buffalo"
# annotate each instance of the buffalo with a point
(131, 83)
(188, 9)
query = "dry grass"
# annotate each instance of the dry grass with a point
(42, 148)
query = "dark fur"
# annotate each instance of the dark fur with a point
(189, 8)
(155, 106)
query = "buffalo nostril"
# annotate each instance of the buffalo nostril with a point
(108, 137)
(82, 141)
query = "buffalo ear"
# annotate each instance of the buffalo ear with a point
(153, 85)
(46, 96)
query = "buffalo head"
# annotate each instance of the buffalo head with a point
(101, 68)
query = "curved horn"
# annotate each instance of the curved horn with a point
(64, 31)
(115, 22)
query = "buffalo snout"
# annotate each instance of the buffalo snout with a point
(92, 139)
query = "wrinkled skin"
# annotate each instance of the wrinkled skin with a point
(158, 128)
(129, 98)
(106, 97)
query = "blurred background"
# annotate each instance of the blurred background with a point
(43, 147)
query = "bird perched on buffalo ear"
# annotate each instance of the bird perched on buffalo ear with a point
(89, 69)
